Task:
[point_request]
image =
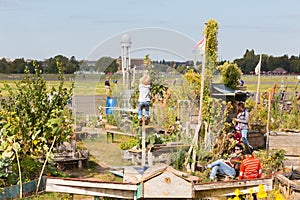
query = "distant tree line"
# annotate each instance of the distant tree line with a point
(104, 64)
(269, 63)
(110, 65)
(48, 66)
(248, 63)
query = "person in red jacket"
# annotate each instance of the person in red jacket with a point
(250, 167)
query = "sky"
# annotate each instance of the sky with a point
(166, 29)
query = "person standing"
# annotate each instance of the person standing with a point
(250, 167)
(242, 120)
(144, 98)
(107, 85)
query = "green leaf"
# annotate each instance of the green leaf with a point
(7, 154)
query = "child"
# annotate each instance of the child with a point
(237, 134)
(144, 98)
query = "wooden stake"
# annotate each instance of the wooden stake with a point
(268, 121)
(194, 145)
(44, 165)
(143, 142)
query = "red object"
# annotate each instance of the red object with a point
(237, 136)
(250, 168)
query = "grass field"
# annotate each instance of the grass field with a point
(290, 82)
(94, 84)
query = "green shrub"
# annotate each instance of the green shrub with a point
(128, 144)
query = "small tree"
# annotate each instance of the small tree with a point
(231, 74)
(31, 117)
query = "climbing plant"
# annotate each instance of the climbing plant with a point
(211, 50)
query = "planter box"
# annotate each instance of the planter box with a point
(28, 189)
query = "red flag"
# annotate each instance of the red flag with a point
(201, 45)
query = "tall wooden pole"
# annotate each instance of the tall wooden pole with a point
(196, 136)
(268, 120)
(143, 141)
(201, 45)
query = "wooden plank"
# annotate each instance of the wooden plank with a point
(91, 188)
(227, 188)
(120, 133)
(113, 132)
(291, 162)
(286, 141)
(290, 189)
(232, 184)
(96, 192)
(290, 151)
(208, 194)
(284, 179)
(90, 183)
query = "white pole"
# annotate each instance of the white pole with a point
(258, 84)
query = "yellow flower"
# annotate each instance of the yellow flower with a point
(261, 192)
(278, 196)
(251, 191)
(237, 192)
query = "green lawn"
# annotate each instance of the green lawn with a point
(94, 85)
(267, 82)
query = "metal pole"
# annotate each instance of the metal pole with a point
(123, 65)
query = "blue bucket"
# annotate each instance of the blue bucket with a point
(110, 103)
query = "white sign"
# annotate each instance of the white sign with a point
(298, 77)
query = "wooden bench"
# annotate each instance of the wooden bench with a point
(71, 163)
(70, 159)
(113, 132)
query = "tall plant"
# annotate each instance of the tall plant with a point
(231, 73)
(211, 50)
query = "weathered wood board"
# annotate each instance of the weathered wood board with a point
(290, 142)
